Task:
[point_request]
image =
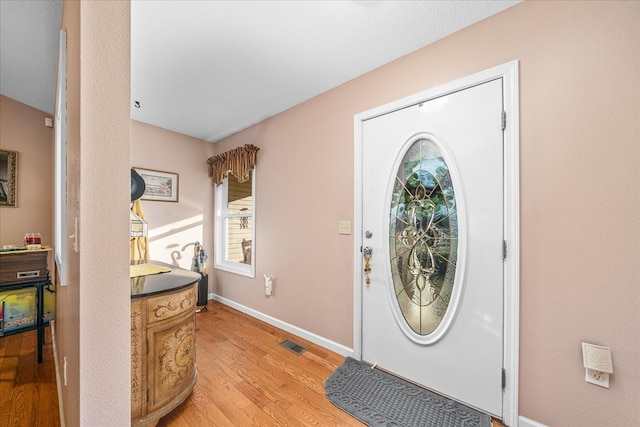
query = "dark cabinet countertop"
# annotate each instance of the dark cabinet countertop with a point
(177, 278)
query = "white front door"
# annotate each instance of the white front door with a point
(432, 216)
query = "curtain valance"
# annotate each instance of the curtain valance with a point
(239, 161)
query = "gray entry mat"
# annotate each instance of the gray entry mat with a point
(379, 399)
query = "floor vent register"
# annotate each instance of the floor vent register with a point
(293, 346)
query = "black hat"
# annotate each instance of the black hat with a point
(137, 185)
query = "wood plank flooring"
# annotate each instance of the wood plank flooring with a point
(245, 378)
(28, 391)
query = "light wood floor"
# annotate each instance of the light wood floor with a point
(28, 392)
(244, 379)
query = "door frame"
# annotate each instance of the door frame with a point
(511, 228)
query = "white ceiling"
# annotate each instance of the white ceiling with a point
(29, 34)
(212, 68)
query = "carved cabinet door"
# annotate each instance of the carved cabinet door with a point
(171, 364)
(138, 352)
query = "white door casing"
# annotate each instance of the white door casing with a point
(436, 369)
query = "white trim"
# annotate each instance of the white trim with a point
(357, 237)
(509, 73)
(60, 165)
(511, 196)
(52, 325)
(287, 327)
(220, 236)
(526, 422)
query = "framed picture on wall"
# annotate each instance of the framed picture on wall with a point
(159, 186)
(8, 174)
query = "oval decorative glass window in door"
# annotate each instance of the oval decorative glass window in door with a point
(423, 236)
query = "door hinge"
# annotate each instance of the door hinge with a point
(504, 249)
(504, 120)
(504, 378)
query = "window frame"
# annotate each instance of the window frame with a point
(60, 165)
(220, 237)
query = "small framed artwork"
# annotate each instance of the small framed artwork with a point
(159, 186)
(8, 174)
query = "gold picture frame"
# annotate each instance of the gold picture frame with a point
(159, 186)
(8, 178)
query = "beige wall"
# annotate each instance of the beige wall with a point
(175, 227)
(93, 326)
(580, 186)
(580, 103)
(67, 324)
(22, 129)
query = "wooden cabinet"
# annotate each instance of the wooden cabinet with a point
(163, 350)
(23, 266)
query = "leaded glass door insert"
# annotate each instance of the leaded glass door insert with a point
(423, 236)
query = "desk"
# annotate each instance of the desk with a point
(27, 298)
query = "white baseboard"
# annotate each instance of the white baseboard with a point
(52, 325)
(309, 336)
(526, 422)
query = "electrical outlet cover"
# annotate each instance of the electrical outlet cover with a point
(598, 378)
